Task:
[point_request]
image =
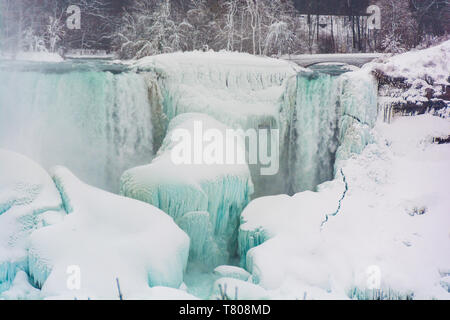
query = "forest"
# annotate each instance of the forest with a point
(137, 28)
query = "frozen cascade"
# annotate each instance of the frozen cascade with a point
(240, 90)
(313, 125)
(327, 118)
(96, 123)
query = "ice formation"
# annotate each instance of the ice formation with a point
(326, 119)
(205, 200)
(240, 90)
(27, 193)
(394, 219)
(97, 123)
(106, 237)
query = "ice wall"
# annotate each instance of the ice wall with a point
(326, 119)
(95, 122)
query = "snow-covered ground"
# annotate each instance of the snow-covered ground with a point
(393, 219)
(238, 89)
(421, 64)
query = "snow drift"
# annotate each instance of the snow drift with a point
(108, 237)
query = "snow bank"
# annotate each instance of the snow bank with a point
(204, 199)
(106, 237)
(392, 221)
(357, 112)
(27, 193)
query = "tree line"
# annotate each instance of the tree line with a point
(136, 28)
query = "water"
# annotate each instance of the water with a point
(94, 118)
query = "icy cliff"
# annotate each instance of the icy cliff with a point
(326, 119)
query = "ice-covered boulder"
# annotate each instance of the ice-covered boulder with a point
(27, 194)
(105, 237)
(205, 199)
(358, 113)
(242, 91)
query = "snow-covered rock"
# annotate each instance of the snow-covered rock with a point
(414, 82)
(328, 118)
(204, 199)
(105, 237)
(27, 193)
(21, 289)
(238, 89)
(420, 64)
(390, 226)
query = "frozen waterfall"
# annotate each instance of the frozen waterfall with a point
(96, 123)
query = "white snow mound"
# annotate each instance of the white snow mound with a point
(106, 237)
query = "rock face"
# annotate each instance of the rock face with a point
(326, 119)
(240, 90)
(206, 200)
(27, 197)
